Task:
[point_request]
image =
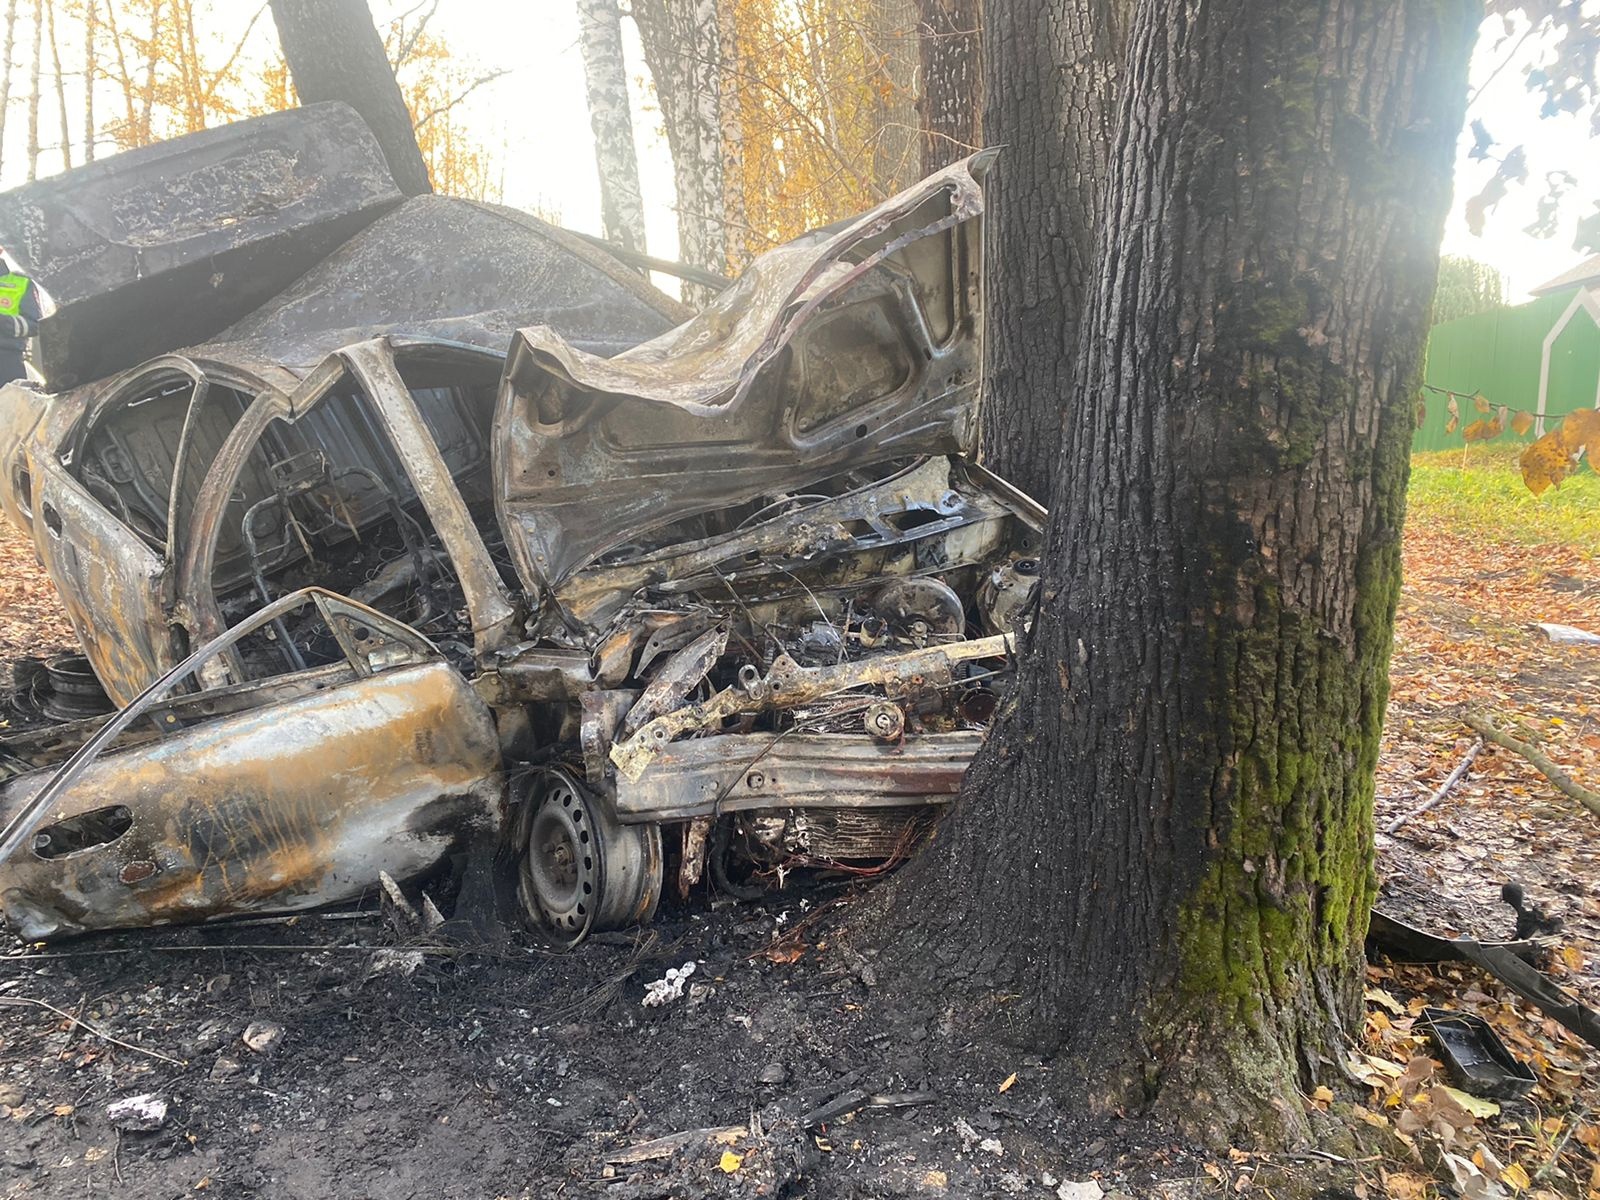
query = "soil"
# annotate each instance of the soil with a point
(509, 1071)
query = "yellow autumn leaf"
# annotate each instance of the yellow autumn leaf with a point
(1514, 1176)
(1521, 423)
(1009, 1081)
(1323, 1095)
(1545, 462)
(1481, 431)
(730, 1162)
(1480, 402)
(1376, 995)
(1580, 429)
(1477, 1107)
(1403, 1185)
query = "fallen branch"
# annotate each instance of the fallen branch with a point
(101, 1034)
(1445, 789)
(1564, 782)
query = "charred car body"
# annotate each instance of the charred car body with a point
(468, 533)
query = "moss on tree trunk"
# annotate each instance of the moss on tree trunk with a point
(1162, 862)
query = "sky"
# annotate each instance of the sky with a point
(535, 124)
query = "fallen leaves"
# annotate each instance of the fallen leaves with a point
(1550, 459)
(32, 621)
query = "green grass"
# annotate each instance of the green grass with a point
(1487, 500)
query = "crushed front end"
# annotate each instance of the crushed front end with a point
(777, 602)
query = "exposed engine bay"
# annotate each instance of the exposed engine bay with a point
(792, 683)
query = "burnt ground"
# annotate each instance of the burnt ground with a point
(512, 1072)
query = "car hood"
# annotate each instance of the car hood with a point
(853, 344)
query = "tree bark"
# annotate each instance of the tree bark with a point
(1163, 856)
(61, 87)
(892, 50)
(950, 107)
(334, 53)
(6, 62)
(1051, 69)
(91, 33)
(33, 91)
(124, 80)
(147, 95)
(682, 42)
(610, 116)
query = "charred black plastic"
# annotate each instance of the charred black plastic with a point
(1476, 1057)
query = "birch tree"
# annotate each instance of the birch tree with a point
(61, 85)
(33, 90)
(682, 42)
(7, 61)
(606, 80)
(91, 31)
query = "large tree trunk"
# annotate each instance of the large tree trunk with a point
(682, 42)
(950, 108)
(606, 79)
(1164, 852)
(334, 53)
(1052, 68)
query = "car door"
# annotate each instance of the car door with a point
(282, 793)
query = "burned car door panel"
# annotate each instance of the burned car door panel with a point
(290, 798)
(357, 481)
(109, 580)
(731, 600)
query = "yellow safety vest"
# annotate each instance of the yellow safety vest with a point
(12, 289)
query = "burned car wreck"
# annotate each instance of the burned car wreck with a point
(406, 560)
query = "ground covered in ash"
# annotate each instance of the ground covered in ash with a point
(332, 1058)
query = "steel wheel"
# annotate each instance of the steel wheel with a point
(580, 869)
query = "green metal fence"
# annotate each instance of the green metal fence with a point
(1499, 354)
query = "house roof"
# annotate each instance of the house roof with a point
(1588, 271)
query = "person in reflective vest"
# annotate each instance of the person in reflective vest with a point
(19, 318)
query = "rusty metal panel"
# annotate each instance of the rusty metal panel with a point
(739, 772)
(287, 807)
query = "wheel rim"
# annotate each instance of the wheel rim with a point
(581, 871)
(561, 868)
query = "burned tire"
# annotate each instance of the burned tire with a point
(580, 870)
